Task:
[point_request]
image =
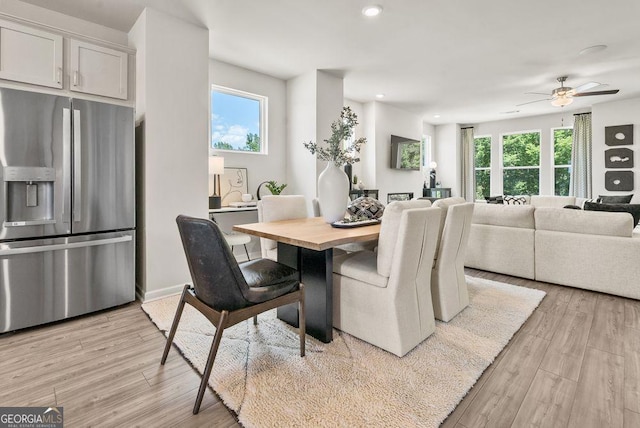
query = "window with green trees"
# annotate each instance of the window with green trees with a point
(482, 166)
(521, 163)
(238, 120)
(562, 141)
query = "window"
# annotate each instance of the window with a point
(562, 142)
(482, 166)
(521, 163)
(238, 120)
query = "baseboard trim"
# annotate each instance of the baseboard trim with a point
(158, 294)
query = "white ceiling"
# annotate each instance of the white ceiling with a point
(468, 63)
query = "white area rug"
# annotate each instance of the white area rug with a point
(259, 374)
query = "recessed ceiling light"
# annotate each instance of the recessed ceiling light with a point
(592, 49)
(379, 96)
(436, 116)
(372, 10)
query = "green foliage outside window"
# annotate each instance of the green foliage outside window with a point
(482, 159)
(252, 144)
(521, 150)
(562, 142)
(483, 183)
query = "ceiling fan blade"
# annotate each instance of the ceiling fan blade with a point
(536, 93)
(587, 94)
(586, 87)
(531, 102)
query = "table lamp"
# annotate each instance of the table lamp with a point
(216, 168)
(432, 175)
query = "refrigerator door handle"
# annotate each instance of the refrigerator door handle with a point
(69, 246)
(77, 167)
(66, 165)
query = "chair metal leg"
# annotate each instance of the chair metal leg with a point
(174, 326)
(212, 356)
(247, 251)
(301, 324)
(255, 320)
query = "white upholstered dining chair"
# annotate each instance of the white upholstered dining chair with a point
(448, 285)
(384, 298)
(276, 208)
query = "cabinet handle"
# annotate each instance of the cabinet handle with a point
(59, 75)
(76, 78)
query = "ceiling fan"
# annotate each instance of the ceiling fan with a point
(563, 96)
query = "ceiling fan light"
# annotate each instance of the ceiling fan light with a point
(561, 101)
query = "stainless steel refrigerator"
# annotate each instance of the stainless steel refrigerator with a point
(67, 207)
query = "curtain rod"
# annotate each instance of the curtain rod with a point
(580, 114)
(467, 127)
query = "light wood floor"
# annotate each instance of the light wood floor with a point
(575, 363)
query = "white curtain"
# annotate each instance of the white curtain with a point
(468, 175)
(580, 182)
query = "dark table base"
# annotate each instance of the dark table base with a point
(316, 273)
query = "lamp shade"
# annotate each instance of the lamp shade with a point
(216, 165)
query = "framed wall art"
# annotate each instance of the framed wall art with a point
(618, 181)
(618, 158)
(621, 135)
(233, 183)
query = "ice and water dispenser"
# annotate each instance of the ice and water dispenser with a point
(29, 195)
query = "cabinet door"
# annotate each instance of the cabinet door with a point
(29, 55)
(98, 70)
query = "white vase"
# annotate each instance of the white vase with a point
(333, 191)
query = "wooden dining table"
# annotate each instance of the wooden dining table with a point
(307, 245)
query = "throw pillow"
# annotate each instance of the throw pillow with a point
(633, 209)
(494, 199)
(572, 207)
(366, 207)
(515, 200)
(623, 199)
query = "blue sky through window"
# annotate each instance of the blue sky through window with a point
(232, 118)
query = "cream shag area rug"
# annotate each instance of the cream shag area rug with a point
(259, 374)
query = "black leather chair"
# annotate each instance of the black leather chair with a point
(227, 293)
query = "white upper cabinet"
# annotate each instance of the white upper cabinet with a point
(98, 70)
(29, 55)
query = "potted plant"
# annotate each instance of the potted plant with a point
(333, 183)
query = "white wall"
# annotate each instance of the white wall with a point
(389, 121)
(545, 124)
(175, 95)
(611, 114)
(314, 101)
(446, 151)
(301, 128)
(358, 132)
(271, 166)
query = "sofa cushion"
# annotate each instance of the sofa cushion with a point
(360, 266)
(633, 209)
(585, 222)
(504, 215)
(552, 201)
(609, 199)
(389, 231)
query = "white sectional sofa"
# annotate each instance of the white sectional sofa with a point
(592, 250)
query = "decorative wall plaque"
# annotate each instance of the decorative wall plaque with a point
(618, 181)
(618, 158)
(621, 135)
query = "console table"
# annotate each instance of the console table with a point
(437, 192)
